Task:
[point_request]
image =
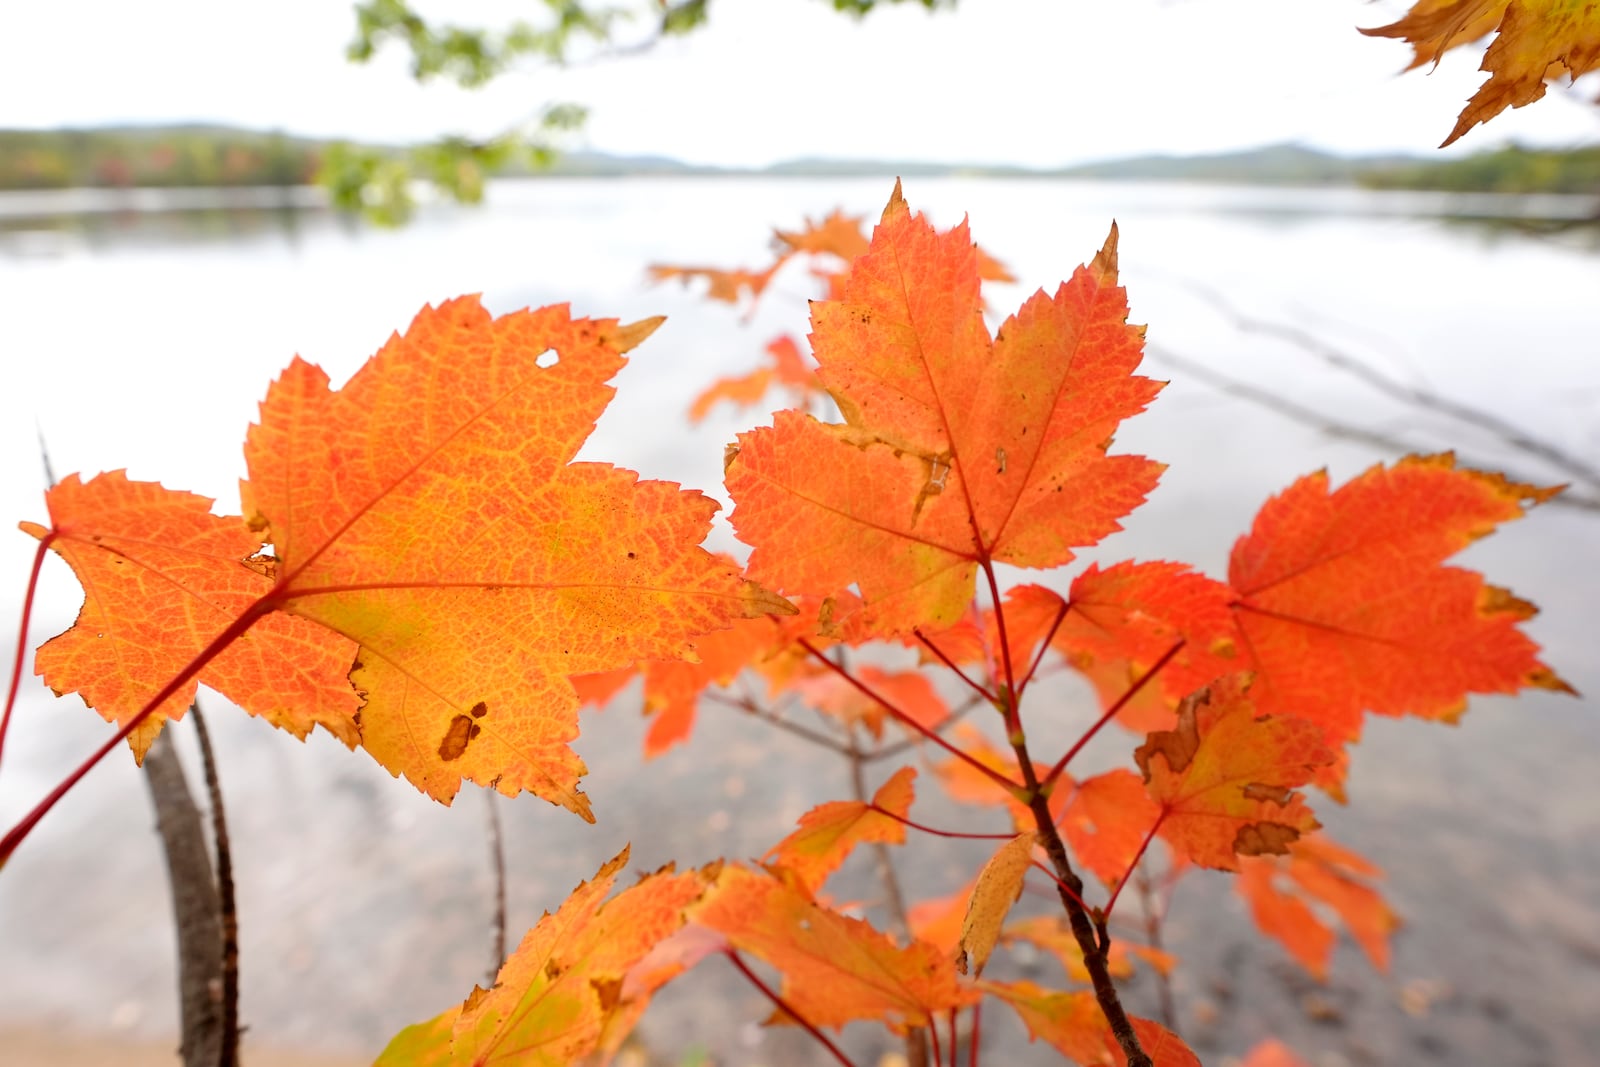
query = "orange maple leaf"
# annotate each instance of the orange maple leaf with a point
(163, 578)
(911, 692)
(788, 368)
(1073, 1025)
(956, 449)
(1273, 1053)
(1345, 607)
(835, 969)
(429, 512)
(575, 975)
(1537, 40)
(829, 832)
(1281, 890)
(1136, 612)
(1107, 821)
(1224, 778)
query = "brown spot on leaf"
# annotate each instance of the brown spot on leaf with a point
(456, 738)
(1177, 746)
(479, 710)
(609, 990)
(1264, 839)
(1275, 794)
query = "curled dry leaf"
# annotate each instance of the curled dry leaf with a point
(998, 887)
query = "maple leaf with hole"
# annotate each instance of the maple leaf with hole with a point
(162, 578)
(835, 969)
(829, 832)
(571, 979)
(1345, 606)
(1224, 778)
(1282, 890)
(429, 513)
(430, 510)
(956, 449)
(1537, 40)
(1073, 1025)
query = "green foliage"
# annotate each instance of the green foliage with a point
(377, 183)
(128, 157)
(1512, 169)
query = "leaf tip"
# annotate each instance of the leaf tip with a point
(625, 338)
(896, 205)
(1105, 260)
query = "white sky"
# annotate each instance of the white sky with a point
(1036, 82)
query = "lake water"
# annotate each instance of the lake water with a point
(145, 340)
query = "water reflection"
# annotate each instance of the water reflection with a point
(50, 223)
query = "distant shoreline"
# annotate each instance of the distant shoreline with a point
(219, 157)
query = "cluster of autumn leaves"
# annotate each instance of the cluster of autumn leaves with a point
(1535, 41)
(422, 570)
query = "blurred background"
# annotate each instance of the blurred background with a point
(191, 193)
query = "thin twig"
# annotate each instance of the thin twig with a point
(916, 1039)
(1111, 712)
(497, 862)
(907, 720)
(1134, 866)
(772, 718)
(1291, 409)
(1044, 646)
(894, 749)
(22, 636)
(981, 690)
(784, 1006)
(1478, 418)
(229, 1054)
(902, 820)
(1153, 919)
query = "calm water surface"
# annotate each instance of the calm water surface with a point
(145, 341)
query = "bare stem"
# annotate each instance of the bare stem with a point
(894, 749)
(1111, 712)
(1096, 949)
(234, 630)
(783, 1005)
(936, 832)
(22, 637)
(1153, 918)
(981, 690)
(908, 721)
(916, 1040)
(196, 913)
(1044, 646)
(497, 862)
(227, 906)
(772, 718)
(1134, 866)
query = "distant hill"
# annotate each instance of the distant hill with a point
(1280, 164)
(212, 155)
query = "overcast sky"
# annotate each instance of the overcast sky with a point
(1036, 82)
